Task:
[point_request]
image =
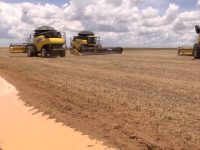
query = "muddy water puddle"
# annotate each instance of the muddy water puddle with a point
(21, 130)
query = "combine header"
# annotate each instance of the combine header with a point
(46, 41)
(185, 51)
(87, 43)
(18, 48)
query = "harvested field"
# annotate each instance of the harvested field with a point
(146, 99)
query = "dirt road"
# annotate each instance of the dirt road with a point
(137, 100)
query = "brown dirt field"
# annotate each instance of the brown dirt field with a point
(137, 100)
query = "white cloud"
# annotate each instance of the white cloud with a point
(149, 12)
(198, 2)
(118, 22)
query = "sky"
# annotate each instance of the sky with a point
(127, 23)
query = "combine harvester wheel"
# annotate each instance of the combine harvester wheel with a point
(197, 51)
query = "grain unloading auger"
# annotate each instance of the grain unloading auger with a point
(46, 41)
(87, 43)
(192, 51)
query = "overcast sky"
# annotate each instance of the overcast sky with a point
(129, 23)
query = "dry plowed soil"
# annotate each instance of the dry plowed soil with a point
(142, 99)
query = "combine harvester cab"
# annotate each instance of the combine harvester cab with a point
(87, 43)
(46, 41)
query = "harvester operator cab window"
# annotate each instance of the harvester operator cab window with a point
(80, 38)
(48, 34)
(94, 40)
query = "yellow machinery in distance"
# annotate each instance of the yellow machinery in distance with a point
(185, 51)
(17, 48)
(87, 43)
(45, 41)
(192, 51)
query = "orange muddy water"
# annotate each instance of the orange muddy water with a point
(21, 129)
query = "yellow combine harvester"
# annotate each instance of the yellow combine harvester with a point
(195, 51)
(45, 41)
(87, 43)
